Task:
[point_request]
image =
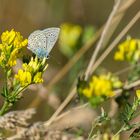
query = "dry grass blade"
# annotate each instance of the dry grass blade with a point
(123, 6)
(115, 42)
(127, 87)
(63, 115)
(62, 106)
(118, 12)
(125, 69)
(102, 38)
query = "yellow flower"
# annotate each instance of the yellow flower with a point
(128, 50)
(12, 44)
(24, 77)
(138, 94)
(31, 72)
(8, 37)
(69, 38)
(2, 59)
(35, 65)
(19, 42)
(102, 85)
(69, 34)
(119, 56)
(87, 92)
(12, 59)
(38, 78)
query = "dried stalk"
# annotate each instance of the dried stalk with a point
(62, 106)
(115, 42)
(101, 41)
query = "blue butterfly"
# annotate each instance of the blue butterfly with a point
(41, 42)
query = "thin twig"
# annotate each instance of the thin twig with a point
(125, 69)
(62, 106)
(120, 130)
(127, 87)
(124, 5)
(47, 123)
(100, 43)
(115, 42)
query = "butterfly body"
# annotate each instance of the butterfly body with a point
(41, 42)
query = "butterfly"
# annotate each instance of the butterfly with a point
(41, 42)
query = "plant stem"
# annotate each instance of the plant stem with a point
(121, 129)
(91, 131)
(4, 108)
(6, 104)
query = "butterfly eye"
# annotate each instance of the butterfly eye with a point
(48, 56)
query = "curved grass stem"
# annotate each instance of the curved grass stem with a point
(4, 108)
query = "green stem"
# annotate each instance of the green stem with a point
(6, 104)
(6, 77)
(90, 134)
(4, 108)
(94, 125)
(121, 129)
(20, 90)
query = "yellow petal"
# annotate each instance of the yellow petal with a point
(138, 94)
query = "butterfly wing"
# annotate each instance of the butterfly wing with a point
(51, 37)
(37, 43)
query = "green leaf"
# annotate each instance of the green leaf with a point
(4, 92)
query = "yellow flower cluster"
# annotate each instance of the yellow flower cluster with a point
(31, 72)
(102, 85)
(69, 36)
(128, 50)
(10, 48)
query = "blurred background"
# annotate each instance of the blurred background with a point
(79, 17)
